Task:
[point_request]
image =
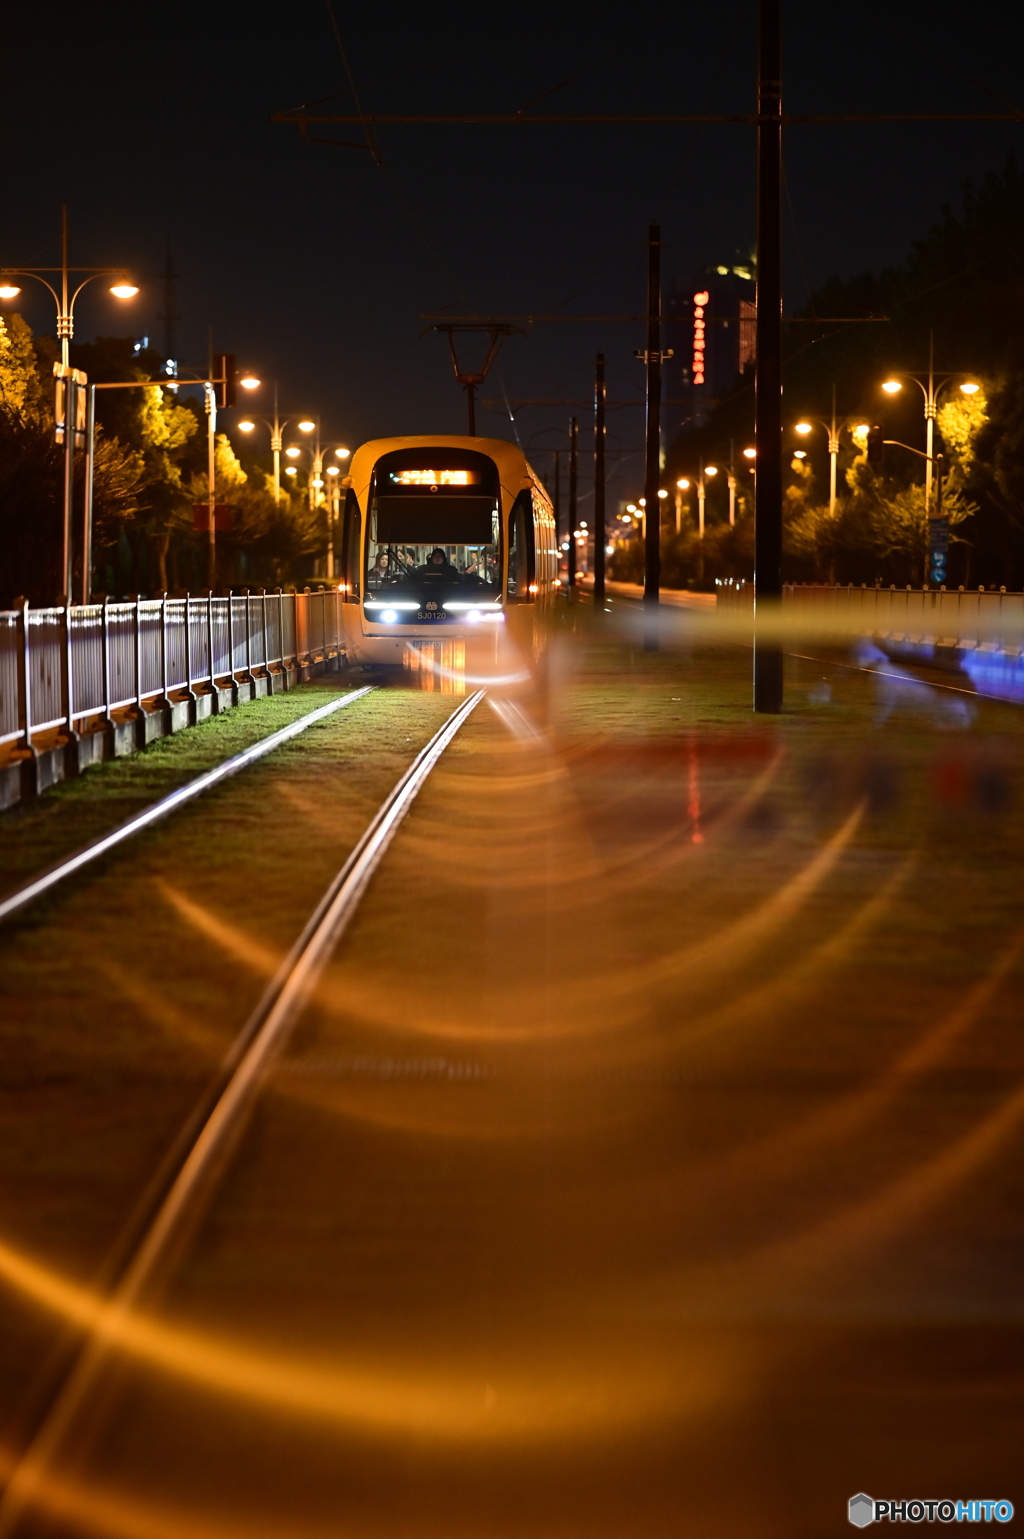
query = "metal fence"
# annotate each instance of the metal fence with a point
(964, 618)
(60, 667)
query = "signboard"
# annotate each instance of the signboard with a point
(223, 516)
(700, 301)
(938, 549)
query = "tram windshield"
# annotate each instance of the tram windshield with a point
(434, 530)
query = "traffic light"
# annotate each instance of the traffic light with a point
(876, 445)
(225, 374)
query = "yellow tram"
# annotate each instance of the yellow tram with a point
(445, 540)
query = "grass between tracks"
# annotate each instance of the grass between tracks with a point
(40, 830)
(121, 990)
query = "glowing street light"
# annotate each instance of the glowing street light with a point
(121, 288)
(305, 426)
(249, 382)
(290, 470)
(931, 392)
(292, 452)
(751, 454)
(833, 428)
(70, 381)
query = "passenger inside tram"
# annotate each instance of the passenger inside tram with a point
(456, 570)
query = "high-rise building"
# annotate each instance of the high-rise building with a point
(710, 327)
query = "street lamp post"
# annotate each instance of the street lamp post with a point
(833, 428)
(931, 393)
(316, 453)
(276, 428)
(66, 299)
(70, 418)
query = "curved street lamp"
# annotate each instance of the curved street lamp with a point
(123, 288)
(931, 392)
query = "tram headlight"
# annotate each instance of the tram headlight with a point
(474, 617)
(389, 616)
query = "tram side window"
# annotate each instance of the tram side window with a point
(350, 547)
(520, 549)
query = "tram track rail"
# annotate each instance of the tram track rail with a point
(189, 1172)
(70, 865)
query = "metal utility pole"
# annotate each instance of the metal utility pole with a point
(170, 316)
(90, 467)
(211, 472)
(470, 379)
(574, 433)
(652, 468)
(768, 369)
(71, 389)
(600, 533)
(556, 498)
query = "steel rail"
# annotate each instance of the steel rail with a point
(261, 1039)
(26, 894)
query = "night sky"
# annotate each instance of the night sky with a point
(313, 264)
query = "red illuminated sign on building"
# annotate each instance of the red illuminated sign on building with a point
(699, 305)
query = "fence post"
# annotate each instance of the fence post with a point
(140, 714)
(30, 769)
(164, 701)
(71, 765)
(280, 636)
(190, 694)
(106, 725)
(248, 680)
(215, 698)
(266, 641)
(232, 682)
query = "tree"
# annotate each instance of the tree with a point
(21, 390)
(32, 474)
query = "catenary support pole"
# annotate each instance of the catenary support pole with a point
(652, 463)
(211, 472)
(471, 402)
(600, 532)
(574, 433)
(90, 474)
(768, 375)
(70, 418)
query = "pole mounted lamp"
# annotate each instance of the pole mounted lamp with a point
(69, 290)
(932, 392)
(833, 427)
(75, 403)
